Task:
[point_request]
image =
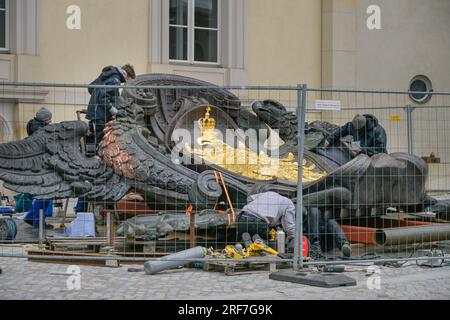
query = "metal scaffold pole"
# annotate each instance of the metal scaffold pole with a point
(301, 118)
(409, 125)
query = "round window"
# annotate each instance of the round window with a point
(418, 85)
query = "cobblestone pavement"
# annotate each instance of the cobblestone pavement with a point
(22, 279)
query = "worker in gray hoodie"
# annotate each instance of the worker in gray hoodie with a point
(268, 209)
(265, 210)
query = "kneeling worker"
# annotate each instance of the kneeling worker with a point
(265, 210)
(366, 131)
(324, 235)
(269, 209)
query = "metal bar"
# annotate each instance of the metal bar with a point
(415, 234)
(41, 226)
(121, 258)
(23, 241)
(109, 229)
(192, 229)
(289, 107)
(301, 117)
(374, 91)
(63, 85)
(398, 107)
(349, 262)
(409, 110)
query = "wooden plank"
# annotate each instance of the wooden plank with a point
(94, 263)
(114, 262)
(241, 268)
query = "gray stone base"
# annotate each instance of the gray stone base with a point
(324, 280)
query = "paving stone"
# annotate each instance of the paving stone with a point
(22, 279)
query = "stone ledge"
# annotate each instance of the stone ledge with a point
(23, 95)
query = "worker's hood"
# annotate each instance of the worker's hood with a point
(107, 72)
(372, 121)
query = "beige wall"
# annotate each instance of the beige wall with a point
(283, 42)
(112, 32)
(414, 40)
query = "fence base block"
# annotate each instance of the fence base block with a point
(324, 280)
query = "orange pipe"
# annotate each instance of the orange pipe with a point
(359, 234)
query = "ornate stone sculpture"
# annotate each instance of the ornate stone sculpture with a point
(137, 153)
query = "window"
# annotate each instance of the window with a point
(4, 25)
(420, 84)
(194, 31)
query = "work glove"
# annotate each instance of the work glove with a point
(290, 240)
(113, 110)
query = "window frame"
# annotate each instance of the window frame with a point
(191, 37)
(427, 95)
(7, 12)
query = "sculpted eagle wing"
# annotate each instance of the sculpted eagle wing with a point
(49, 165)
(130, 150)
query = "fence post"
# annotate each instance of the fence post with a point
(110, 229)
(301, 118)
(409, 125)
(41, 227)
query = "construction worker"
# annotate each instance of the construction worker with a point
(323, 235)
(42, 118)
(102, 105)
(264, 210)
(368, 135)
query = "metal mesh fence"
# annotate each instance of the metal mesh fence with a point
(394, 203)
(176, 165)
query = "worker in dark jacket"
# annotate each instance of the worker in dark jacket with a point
(324, 235)
(43, 118)
(102, 105)
(366, 131)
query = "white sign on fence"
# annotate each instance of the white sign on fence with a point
(330, 105)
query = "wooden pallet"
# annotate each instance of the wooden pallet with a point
(242, 268)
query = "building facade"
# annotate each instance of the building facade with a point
(324, 43)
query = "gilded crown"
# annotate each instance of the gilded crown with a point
(207, 123)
